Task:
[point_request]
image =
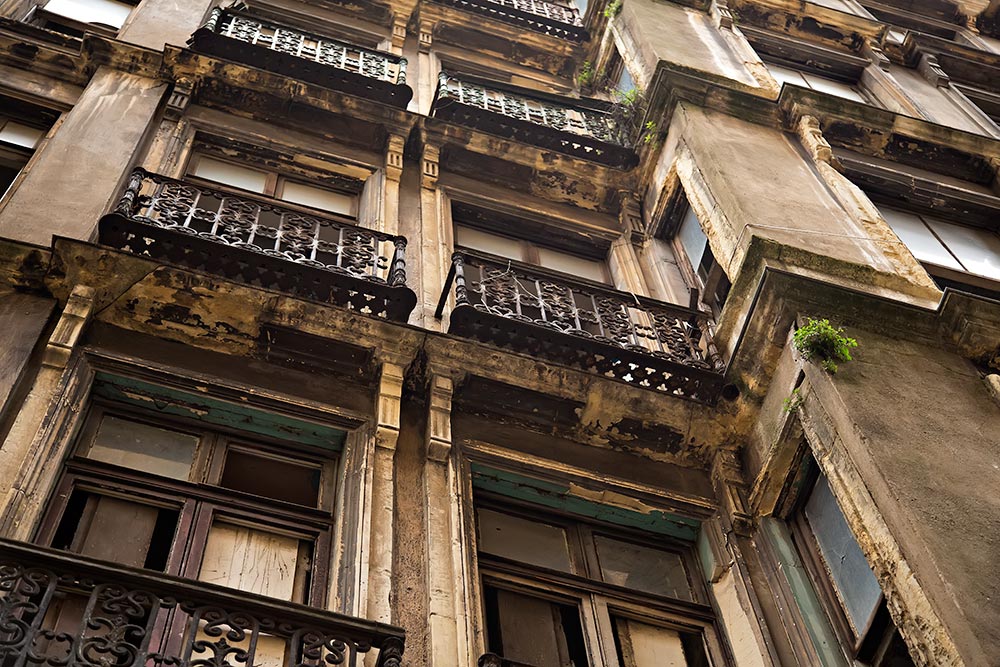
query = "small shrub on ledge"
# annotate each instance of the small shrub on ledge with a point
(820, 340)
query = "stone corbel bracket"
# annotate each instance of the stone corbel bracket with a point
(180, 97)
(930, 69)
(438, 442)
(79, 308)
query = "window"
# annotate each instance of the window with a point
(816, 82)
(74, 17)
(714, 283)
(197, 501)
(22, 128)
(272, 184)
(843, 580)
(948, 250)
(472, 238)
(554, 590)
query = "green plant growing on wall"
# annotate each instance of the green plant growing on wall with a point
(793, 402)
(820, 340)
(613, 9)
(649, 134)
(586, 75)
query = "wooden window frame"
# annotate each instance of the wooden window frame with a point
(714, 278)
(598, 601)
(199, 500)
(274, 184)
(531, 260)
(43, 18)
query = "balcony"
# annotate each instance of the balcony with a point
(550, 18)
(588, 132)
(255, 241)
(632, 339)
(58, 609)
(256, 42)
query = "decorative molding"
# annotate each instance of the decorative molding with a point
(79, 308)
(180, 97)
(426, 36)
(930, 69)
(430, 167)
(727, 476)
(872, 50)
(390, 392)
(394, 157)
(722, 14)
(399, 33)
(630, 217)
(439, 417)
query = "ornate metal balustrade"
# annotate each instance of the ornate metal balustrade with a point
(243, 38)
(589, 133)
(255, 241)
(62, 610)
(550, 18)
(633, 339)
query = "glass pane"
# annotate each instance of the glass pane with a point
(642, 568)
(786, 75)
(231, 174)
(327, 200)
(692, 238)
(591, 269)
(625, 81)
(977, 249)
(918, 238)
(271, 478)
(856, 585)
(533, 632)
(106, 12)
(838, 88)
(143, 447)
(522, 540)
(475, 239)
(20, 135)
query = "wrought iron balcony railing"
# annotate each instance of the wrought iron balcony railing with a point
(257, 42)
(589, 133)
(633, 339)
(551, 18)
(258, 242)
(63, 610)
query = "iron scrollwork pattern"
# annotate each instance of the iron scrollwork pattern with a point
(637, 340)
(590, 133)
(60, 610)
(258, 32)
(192, 224)
(552, 18)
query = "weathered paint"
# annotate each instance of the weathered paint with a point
(562, 497)
(168, 401)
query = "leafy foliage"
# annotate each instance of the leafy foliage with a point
(613, 9)
(587, 74)
(820, 340)
(793, 402)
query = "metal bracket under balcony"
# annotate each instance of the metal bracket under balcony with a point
(551, 18)
(246, 39)
(254, 241)
(632, 339)
(59, 609)
(587, 133)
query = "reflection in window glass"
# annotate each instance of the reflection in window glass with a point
(692, 238)
(139, 446)
(326, 200)
(977, 249)
(522, 540)
(17, 134)
(856, 586)
(812, 81)
(918, 238)
(231, 174)
(474, 239)
(105, 12)
(642, 568)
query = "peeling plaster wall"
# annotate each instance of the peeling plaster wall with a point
(82, 168)
(744, 180)
(923, 431)
(160, 23)
(652, 31)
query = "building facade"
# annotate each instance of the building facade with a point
(469, 332)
